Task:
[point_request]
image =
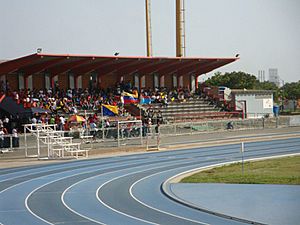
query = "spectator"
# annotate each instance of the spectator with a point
(15, 138)
(1, 137)
(61, 123)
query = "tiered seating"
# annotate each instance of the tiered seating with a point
(190, 110)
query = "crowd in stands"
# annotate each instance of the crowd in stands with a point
(164, 95)
(72, 100)
(60, 104)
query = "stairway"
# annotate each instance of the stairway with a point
(190, 110)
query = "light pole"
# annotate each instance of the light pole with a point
(282, 95)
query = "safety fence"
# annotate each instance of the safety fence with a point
(133, 134)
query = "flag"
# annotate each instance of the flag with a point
(130, 98)
(2, 97)
(145, 100)
(110, 110)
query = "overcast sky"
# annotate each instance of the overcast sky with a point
(266, 33)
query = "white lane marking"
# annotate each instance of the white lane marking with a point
(71, 186)
(124, 175)
(23, 182)
(115, 210)
(189, 171)
(27, 207)
(41, 186)
(36, 178)
(26, 200)
(156, 209)
(45, 168)
(89, 178)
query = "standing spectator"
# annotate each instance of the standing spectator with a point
(1, 137)
(15, 138)
(52, 120)
(157, 127)
(33, 120)
(61, 123)
(159, 117)
(6, 122)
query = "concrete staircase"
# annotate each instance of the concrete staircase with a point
(190, 110)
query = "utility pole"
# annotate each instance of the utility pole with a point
(148, 28)
(180, 28)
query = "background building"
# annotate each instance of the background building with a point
(274, 77)
(261, 76)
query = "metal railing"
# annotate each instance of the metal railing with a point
(136, 136)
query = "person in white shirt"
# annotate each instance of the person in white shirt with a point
(1, 137)
(62, 122)
(15, 138)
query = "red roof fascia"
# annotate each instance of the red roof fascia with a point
(165, 68)
(94, 65)
(132, 57)
(133, 68)
(13, 65)
(39, 67)
(216, 64)
(115, 66)
(153, 67)
(81, 64)
(193, 67)
(188, 68)
(174, 67)
(66, 66)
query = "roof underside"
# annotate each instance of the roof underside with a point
(82, 64)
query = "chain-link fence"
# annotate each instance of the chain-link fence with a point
(134, 134)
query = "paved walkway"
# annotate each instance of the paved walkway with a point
(268, 204)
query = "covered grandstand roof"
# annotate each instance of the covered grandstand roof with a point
(81, 64)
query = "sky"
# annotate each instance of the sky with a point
(266, 33)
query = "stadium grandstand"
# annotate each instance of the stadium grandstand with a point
(62, 83)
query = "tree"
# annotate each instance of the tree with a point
(291, 90)
(267, 85)
(233, 80)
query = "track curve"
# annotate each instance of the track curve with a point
(118, 190)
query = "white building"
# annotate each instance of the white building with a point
(261, 76)
(274, 77)
(253, 103)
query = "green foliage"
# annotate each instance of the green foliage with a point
(291, 90)
(266, 85)
(242, 80)
(233, 80)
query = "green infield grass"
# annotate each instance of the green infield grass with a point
(272, 171)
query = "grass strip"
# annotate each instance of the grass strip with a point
(273, 171)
